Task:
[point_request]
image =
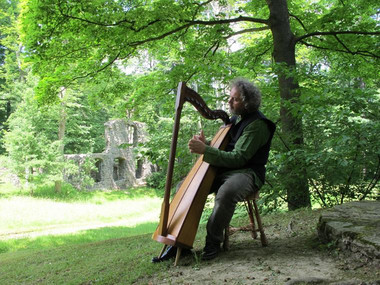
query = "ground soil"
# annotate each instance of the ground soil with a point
(294, 256)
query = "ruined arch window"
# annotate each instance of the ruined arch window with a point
(139, 168)
(96, 174)
(119, 168)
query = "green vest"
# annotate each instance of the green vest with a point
(260, 158)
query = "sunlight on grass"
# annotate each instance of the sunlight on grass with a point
(85, 236)
(48, 219)
(28, 213)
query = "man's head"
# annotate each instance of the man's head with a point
(244, 97)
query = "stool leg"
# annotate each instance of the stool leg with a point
(179, 250)
(226, 242)
(251, 219)
(263, 238)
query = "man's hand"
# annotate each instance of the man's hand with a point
(198, 144)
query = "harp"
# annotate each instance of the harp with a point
(180, 217)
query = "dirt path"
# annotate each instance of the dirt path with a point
(294, 256)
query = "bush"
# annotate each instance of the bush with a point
(156, 180)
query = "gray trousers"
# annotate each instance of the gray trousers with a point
(230, 189)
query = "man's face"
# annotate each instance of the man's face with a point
(236, 102)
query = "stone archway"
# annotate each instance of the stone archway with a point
(96, 174)
(119, 168)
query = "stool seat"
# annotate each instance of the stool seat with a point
(254, 196)
(253, 212)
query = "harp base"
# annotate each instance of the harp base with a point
(171, 240)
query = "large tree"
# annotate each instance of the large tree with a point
(77, 40)
(11, 71)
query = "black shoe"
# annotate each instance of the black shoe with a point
(210, 251)
(169, 253)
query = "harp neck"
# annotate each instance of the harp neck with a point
(185, 94)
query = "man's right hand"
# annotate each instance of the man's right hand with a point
(198, 144)
(201, 137)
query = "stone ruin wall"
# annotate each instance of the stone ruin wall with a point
(116, 167)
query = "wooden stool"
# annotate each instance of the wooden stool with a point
(249, 201)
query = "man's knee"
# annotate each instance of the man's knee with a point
(236, 187)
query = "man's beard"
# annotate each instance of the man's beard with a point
(236, 112)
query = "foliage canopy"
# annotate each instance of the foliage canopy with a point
(315, 62)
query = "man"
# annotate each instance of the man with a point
(241, 167)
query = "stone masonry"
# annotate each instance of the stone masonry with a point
(116, 167)
(353, 226)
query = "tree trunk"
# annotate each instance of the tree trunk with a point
(295, 179)
(61, 134)
(9, 109)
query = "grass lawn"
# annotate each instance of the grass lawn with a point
(116, 248)
(112, 255)
(114, 261)
(35, 221)
(77, 237)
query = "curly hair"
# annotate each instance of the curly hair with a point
(249, 93)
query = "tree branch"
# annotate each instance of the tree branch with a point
(164, 35)
(199, 6)
(359, 52)
(283, 141)
(247, 31)
(114, 24)
(190, 76)
(318, 192)
(334, 34)
(190, 23)
(299, 21)
(73, 51)
(374, 180)
(216, 45)
(346, 188)
(100, 69)
(65, 14)
(344, 46)
(228, 21)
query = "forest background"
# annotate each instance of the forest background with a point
(67, 67)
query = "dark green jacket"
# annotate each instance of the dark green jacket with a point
(248, 150)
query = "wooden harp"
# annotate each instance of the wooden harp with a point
(180, 218)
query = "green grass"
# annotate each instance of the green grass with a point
(20, 214)
(85, 236)
(23, 213)
(47, 219)
(115, 255)
(114, 261)
(119, 253)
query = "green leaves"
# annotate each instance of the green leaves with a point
(128, 57)
(47, 89)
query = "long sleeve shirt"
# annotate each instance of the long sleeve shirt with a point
(254, 136)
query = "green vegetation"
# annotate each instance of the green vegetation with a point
(121, 260)
(41, 214)
(68, 67)
(113, 254)
(72, 237)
